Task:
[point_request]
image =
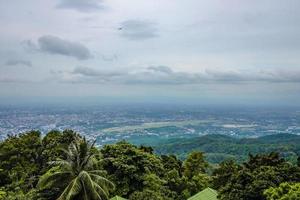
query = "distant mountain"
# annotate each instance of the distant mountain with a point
(282, 138)
(221, 147)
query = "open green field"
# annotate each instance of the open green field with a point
(155, 125)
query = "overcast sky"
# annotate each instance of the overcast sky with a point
(194, 50)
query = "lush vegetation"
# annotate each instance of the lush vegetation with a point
(65, 166)
(285, 191)
(220, 147)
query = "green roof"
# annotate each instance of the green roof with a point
(117, 198)
(206, 194)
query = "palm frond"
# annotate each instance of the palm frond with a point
(48, 178)
(80, 169)
(89, 184)
(97, 172)
(101, 181)
(71, 190)
(102, 192)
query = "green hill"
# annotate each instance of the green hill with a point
(220, 147)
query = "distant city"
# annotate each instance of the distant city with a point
(149, 124)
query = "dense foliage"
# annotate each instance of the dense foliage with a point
(64, 165)
(252, 178)
(285, 191)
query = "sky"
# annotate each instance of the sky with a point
(223, 51)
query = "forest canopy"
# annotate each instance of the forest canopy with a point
(65, 165)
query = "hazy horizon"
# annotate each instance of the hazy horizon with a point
(81, 102)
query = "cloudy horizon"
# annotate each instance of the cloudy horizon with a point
(199, 51)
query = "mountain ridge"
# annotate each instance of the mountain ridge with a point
(221, 147)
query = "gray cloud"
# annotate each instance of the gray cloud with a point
(138, 29)
(160, 75)
(81, 5)
(14, 62)
(165, 75)
(272, 75)
(85, 71)
(29, 45)
(56, 45)
(13, 80)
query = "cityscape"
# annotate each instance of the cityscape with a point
(147, 124)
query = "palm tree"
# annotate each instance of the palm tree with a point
(79, 172)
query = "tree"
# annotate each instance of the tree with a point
(154, 189)
(194, 178)
(222, 175)
(257, 175)
(271, 159)
(196, 184)
(176, 183)
(171, 162)
(79, 173)
(2, 194)
(54, 141)
(21, 161)
(127, 166)
(285, 191)
(194, 164)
